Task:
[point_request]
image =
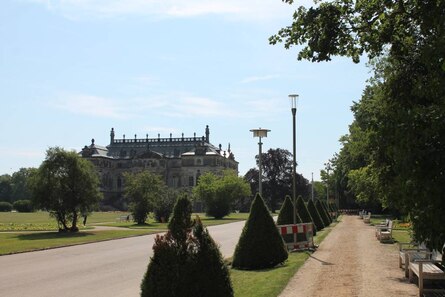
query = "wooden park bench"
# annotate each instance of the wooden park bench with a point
(413, 251)
(124, 218)
(385, 234)
(382, 226)
(425, 270)
(367, 218)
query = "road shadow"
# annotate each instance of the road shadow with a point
(321, 261)
(52, 235)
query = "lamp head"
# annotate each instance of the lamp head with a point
(293, 100)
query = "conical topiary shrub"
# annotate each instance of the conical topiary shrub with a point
(315, 215)
(181, 221)
(286, 217)
(186, 263)
(260, 244)
(164, 275)
(212, 275)
(327, 211)
(322, 213)
(304, 213)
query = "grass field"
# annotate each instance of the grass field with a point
(36, 231)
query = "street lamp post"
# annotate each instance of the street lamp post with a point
(293, 101)
(260, 133)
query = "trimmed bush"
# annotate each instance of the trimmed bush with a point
(186, 263)
(23, 206)
(286, 217)
(210, 274)
(166, 267)
(260, 244)
(304, 213)
(322, 213)
(315, 215)
(327, 211)
(181, 222)
(5, 206)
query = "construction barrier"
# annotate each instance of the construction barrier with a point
(305, 228)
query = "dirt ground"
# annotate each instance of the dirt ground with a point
(351, 262)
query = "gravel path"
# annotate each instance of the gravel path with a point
(350, 262)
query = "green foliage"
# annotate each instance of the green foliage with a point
(285, 217)
(20, 183)
(142, 190)
(210, 274)
(394, 152)
(186, 262)
(167, 273)
(260, 244)
(5, 206)
(304, 213)
(322, 212)
(163, 206)
(277, 182)
(318, 221)
(5, 188)
(219, 193)
(23, 206)
(67, 186)
(181, 222)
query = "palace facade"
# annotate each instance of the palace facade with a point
(179, 161)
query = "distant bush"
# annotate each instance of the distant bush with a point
(318, 221)
(163, 206)
(23, 206)
(304, 213)
(5, 206)
(322, 212)
(260, 244)
(286, 217)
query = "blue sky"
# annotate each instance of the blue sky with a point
(70, 70)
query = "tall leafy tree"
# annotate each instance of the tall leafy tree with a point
(67, 186)
(142, 190)
(277, 177)
(399, 125)
(5, 188)
(220, 193)
(20, 183)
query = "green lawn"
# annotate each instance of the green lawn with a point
(32, 230)
(31, 241)
(270, 282)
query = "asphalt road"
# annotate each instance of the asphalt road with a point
(111, 268)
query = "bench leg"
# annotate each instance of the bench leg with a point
(420, 279)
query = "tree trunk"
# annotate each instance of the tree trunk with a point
(74, 227)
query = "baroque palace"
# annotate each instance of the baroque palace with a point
(180, 161)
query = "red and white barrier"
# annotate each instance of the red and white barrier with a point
(305, 228)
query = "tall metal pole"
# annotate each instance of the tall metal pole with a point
(312, 187)
(260, 187)
(294, 163)
(327, 187)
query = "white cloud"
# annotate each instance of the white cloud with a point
(246, 10)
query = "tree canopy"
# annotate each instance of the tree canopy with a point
(277, 177)
(142, 190)
(67, 186)
(219, 193)
(394, 151)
